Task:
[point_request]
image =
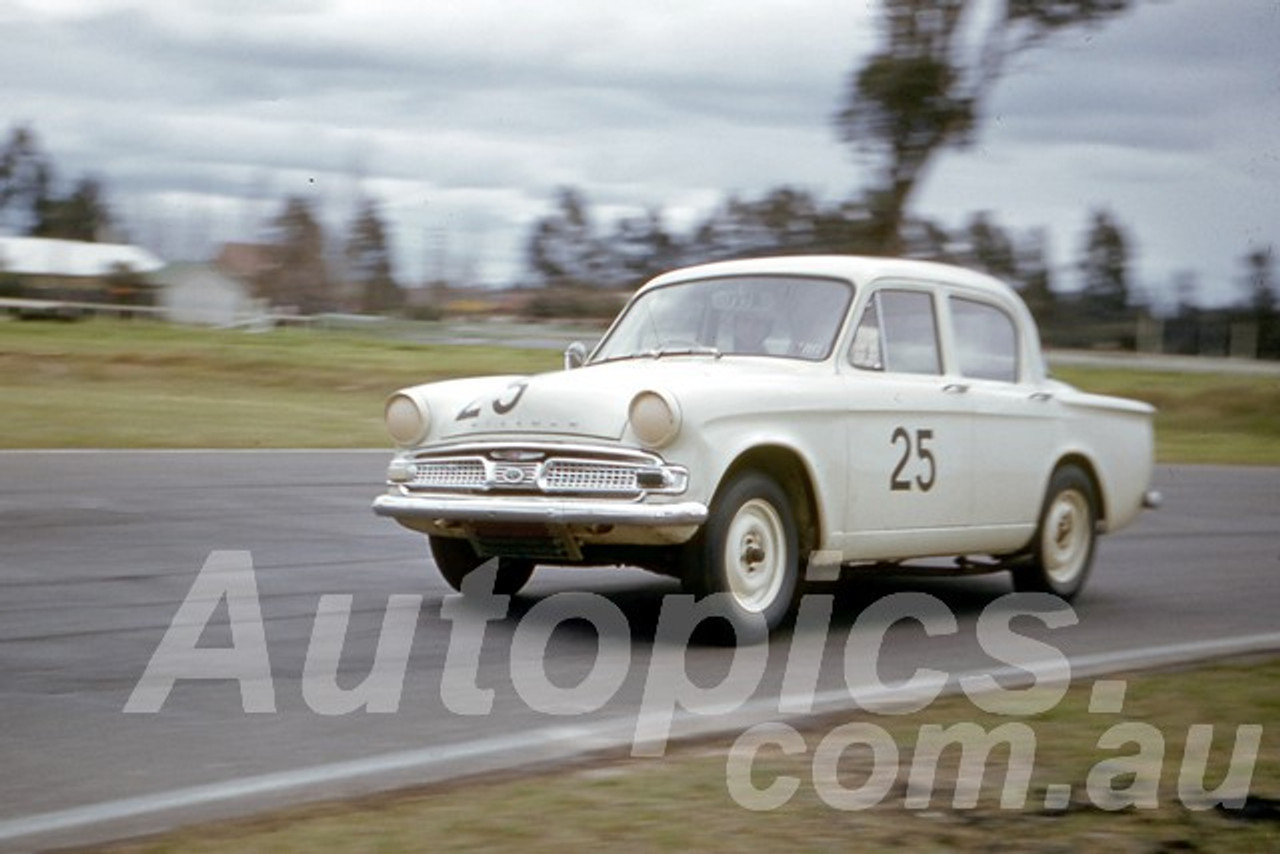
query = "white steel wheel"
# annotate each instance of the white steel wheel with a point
(755, 555)
(1062, 552)
(748, 556)
(1066, 539)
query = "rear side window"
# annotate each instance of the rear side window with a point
(898, 332)
(986, 341)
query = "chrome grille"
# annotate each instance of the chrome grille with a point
(590, 477)
(566, 471)
(450, 474)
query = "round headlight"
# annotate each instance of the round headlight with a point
(654, 417)
(407, 419)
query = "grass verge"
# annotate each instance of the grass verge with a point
(681, 802)
(114, 384)
(1201, 418)
(111, 384)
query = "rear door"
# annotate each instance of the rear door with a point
(1015, 423)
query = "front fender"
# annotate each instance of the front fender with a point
(720, 444)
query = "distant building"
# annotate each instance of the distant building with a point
(248, 262)
(43, 275)
(71, 269)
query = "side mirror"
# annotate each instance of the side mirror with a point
(575, 355)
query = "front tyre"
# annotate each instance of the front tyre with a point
(457, 559)
(749, 552)
(1062, 551)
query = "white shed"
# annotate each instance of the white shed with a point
(72, 259)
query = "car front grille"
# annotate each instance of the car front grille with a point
(549, 471)
(449, 474)
(577, 476)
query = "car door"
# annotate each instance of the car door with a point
(907, 430)
(1015, 424)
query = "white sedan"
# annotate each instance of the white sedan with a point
(742, 419)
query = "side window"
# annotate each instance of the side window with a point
(986, 341)
(898, 332)
(867, 352)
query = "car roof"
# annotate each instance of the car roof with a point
(859, 269)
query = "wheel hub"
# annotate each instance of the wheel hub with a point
(1065, 528)
(1067, 536)
(756, 555)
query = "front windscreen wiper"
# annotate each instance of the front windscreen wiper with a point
(689, 350)
(659, 352)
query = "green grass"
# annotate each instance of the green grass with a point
(116, 384)
(1200, 418)
(681, 802)
(107, 384)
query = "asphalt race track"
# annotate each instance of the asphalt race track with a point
(99, 549)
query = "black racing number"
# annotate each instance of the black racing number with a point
(510, 397)
(502, 404)
(898, 482)
(926, 457)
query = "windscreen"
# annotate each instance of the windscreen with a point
(782, 316)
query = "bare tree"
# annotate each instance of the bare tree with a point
(82, 215)
(1260, 282)
(925, 88)
(26, 179)
(1104, 268)
(299, 276)
(565, 249)
(370, 262)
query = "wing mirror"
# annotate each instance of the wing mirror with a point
(575, 355)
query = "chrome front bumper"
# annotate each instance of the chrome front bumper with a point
(544, 511)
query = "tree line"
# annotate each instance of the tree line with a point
(575, 260)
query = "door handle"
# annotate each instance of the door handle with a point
(1042, 396)
(955, 388)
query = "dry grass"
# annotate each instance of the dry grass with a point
(681, 802)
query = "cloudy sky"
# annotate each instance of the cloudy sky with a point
(463, 117)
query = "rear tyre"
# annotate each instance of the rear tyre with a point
(457, 559)
(1062, 551)
(748, 552)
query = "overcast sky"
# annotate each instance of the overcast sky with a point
(463, 117)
